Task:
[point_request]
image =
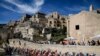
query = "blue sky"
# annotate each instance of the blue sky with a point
(15, 9)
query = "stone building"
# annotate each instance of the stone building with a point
(25, 29)
(39, 18)
(25, 18)
(31, 25)
(55, 20)
(84, 25)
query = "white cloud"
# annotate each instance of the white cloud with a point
(24, 8)
(7, 7)
(39, 2)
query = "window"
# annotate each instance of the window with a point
(64, 22)
(77, 27)
(58, 25)
(58, 16)
(63, 19)
(54, 21)
(50, 22)
(51, 16)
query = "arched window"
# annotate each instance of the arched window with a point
(50, 22)
(54, 21)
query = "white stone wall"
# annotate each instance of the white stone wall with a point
(58, 47)
(27, 32)
(89, 23)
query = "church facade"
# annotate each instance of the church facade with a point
(84, 25)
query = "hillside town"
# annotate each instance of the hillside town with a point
(81, 29)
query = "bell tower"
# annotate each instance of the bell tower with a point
(91, 8)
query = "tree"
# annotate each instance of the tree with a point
(18, 35)
(1, 40)
(64, 30)
(0, 37)
(37, 38)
